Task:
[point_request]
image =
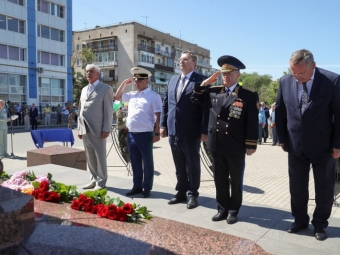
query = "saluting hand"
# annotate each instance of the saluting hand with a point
(213, 78)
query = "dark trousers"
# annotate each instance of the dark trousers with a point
(324, 180)
(58, 118)
(275, 137)
(140, 147)
(185, 152)
(228, 171)
(34, 123)
(265, 131)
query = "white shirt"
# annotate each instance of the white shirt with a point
(141, 109)
(94, 86)
(188, 75)
(231, 88)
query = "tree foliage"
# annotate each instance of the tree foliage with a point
(79, 79)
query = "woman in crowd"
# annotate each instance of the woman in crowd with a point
(3, 129)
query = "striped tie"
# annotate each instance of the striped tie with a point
(304, 97)
(180, 88)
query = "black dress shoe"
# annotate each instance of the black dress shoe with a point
(219, 216)
(133, 192)
(320, 234)
(231, 219)
(192, 203)
(296, 227)
(145, 193)
(176, 200)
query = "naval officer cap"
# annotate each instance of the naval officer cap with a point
(230, 63)
(140, 73)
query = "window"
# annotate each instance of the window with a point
(51, 91)
(45, 32)
(143, 43)
(3, 20)
(79, 62)
(50, 8)
(20, 2)
(50, 33)
(13, 87)
(51, 58)
(3, 51)
(12, 24)
(11, 52)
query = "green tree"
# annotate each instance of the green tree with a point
(258, 83)
(79, 79)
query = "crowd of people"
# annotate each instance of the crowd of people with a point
(28, 116)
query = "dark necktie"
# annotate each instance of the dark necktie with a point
(180, 88)
(228, 91)
(304, 97)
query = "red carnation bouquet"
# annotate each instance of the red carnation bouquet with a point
(96, 202)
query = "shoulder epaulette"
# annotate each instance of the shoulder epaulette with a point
(247, 89)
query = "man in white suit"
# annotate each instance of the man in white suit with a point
(94, 125)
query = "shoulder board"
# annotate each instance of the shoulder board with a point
(247, 89)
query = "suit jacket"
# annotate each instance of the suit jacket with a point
(233, 120)
(34, 112)
(183, 118)
(96, 110)
(317, 131)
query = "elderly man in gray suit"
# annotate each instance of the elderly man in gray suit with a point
(94, 125)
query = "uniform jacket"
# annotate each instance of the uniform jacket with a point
(96, 110)
(317, 131)
(233, 120)
(183, 118)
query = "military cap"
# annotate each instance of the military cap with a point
(230, 63)
(140, 73)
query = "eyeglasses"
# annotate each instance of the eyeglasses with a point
(140, 79)
(184, 59)
(301, 74)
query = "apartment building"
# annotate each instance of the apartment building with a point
(119, 47)
(35, 51)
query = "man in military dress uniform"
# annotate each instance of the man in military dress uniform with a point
(232, 133)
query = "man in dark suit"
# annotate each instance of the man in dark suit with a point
(308, 125)
(232, 133)
(34, 116)
(183, 122)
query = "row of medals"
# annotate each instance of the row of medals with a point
(235, 112)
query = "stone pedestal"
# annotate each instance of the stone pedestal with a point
(16, 217)
(58, 155)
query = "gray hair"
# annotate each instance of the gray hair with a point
(191, 54)
(92, 66)
(302, 55)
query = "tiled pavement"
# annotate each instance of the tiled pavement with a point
(265, 192)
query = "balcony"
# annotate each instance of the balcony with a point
(105, 64)
(165, 68)
(105, 48)
(107, 78)
(161, 80)
(145, 48)
(203, 64)
(165, 53)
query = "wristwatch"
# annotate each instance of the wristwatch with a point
(157, 134)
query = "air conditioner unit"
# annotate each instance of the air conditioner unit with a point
(40, 70)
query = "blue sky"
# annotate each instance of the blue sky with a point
(261, 33)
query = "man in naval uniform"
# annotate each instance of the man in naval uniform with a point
(232, 133)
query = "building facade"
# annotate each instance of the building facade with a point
(120, 47)
(35, 51)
